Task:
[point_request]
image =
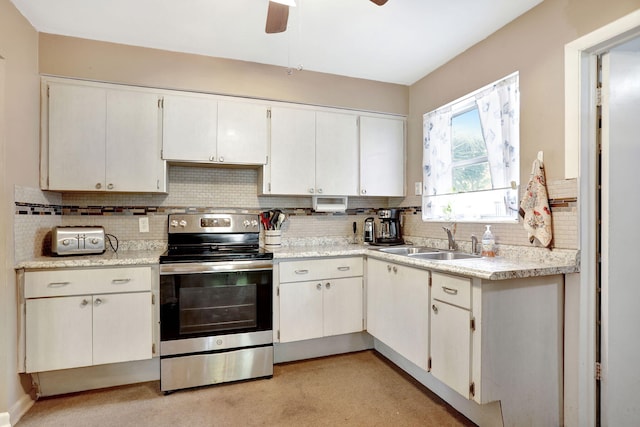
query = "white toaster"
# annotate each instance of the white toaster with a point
(77, 240)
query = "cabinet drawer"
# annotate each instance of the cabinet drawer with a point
(452, 289)
(63, 282)
(296, 271)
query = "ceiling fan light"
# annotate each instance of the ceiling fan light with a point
(290, 3)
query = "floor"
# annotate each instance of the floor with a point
(355, 389)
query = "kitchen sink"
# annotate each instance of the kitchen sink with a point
(408, 250)
(443, 256)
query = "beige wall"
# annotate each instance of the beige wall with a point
(18, 47)
(81, 58)
(533, 45)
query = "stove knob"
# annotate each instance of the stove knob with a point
(182, 223)
(174, 223)
(254, 223)
(246, 223)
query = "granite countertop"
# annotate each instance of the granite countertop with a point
(517, 265)
(109, 258)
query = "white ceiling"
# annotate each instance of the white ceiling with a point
(399, 42)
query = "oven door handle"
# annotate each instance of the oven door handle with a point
(214, 267)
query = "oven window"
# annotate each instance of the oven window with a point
(205, 304)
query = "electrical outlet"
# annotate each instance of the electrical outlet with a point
(418, 188)
(143, 224)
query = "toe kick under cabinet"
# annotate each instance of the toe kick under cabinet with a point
(84, 317)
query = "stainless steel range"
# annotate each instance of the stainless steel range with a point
(216, 297)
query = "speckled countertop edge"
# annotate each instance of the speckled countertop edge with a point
(498, 268)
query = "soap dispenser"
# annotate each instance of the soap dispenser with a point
(488, 243)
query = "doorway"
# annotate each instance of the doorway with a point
(620, 235)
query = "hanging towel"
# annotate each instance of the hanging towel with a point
(534, 207)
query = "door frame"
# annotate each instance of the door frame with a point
(581, 162)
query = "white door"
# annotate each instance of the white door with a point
(342, 306)
(293, 160)
(337, 154)
(77, 133)
(58, 333)
(133, 145)
(242, 133)
(381, 157)
(300, 311)
(122, 327)
(620, 347)
(189, 128)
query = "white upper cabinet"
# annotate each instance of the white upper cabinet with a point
(189, 128)
(100, 138)
(203, 128)
(336, 154)
(313, 153)
(293, 144)
(381, 156)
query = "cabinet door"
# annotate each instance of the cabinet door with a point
(336, 154)
(451, 346)
(133, 160)
(76, 137)
(342, 311)
(242, 133)
(380, 306)
(411, 314)
(58, 333)
(397, 309)
(300, 311)
(189, 128)
(122, 327)
(381, 157)
(292, 162)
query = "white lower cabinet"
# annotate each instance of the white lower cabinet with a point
(330, 303)
(77, 318)
(397, 308)
(450, 344)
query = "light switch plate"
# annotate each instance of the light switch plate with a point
(143, 224)
(418, 188)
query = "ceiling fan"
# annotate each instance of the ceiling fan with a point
(278, 14)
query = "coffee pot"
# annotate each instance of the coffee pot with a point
(390, 233)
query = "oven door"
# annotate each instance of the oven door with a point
(201, 301)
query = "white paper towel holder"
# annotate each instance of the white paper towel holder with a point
(329, 203)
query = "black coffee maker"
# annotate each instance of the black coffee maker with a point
(390, 233)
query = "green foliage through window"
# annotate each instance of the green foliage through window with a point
(470, 164)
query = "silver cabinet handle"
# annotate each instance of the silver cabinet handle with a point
(302, 271)
(319, 190)
(434, 308)
(58, 284)
(319, 286)
(395, 269)
(363, 191)
(388, 268)
(98, 186)
(221, 159)
(311, 190)
(346, 268)
(84, 302)
(120, 281)
(327, 285)
(212, 158)
(98, 301)
(450, 291)
(110, 187)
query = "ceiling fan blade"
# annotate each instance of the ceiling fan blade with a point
(277, 17)
(379, 2)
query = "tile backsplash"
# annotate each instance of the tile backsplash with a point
(235, 189)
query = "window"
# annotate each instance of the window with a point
(471, 160)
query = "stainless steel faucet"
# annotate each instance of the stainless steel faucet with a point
(452, 242)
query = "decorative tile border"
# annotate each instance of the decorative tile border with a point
(37, 209)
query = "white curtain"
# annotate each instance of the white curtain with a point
(436, 157)
(499, 109)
